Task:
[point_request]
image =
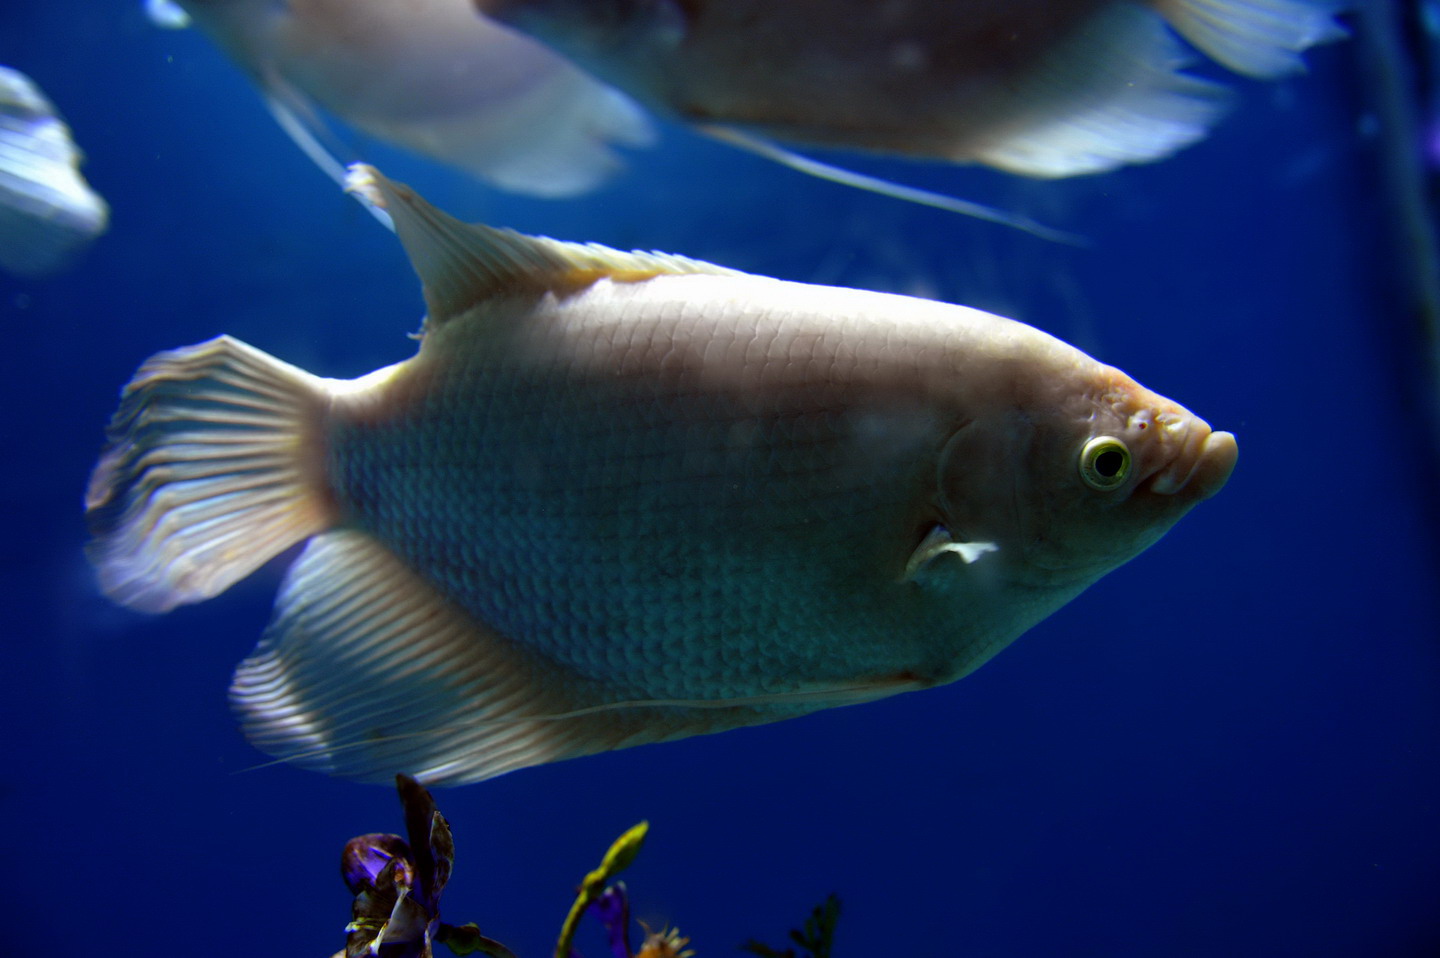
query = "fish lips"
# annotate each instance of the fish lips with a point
(1200, 468)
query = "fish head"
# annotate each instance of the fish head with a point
(1070, 469)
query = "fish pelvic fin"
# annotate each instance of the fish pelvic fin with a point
(464, 264)
(810, 166)
(301, 120)
(214, 465)
(367, 670)
(1257, 38)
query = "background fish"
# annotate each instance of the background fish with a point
(47, 210)
(1040, 87)
(621, 498)
(432, 76)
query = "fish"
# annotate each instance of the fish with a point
(1041, 88)
(48, 212)
(431, 76)
(625, 498)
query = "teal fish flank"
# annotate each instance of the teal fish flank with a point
(620, 498)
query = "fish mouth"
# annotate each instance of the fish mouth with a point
(1202, 465)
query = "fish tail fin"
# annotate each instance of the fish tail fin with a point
(214, 466)
(1258, 38)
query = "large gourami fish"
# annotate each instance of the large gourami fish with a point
(620, 498)
(1039, 87)
(429, 75)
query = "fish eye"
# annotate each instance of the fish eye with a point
(1104, 463)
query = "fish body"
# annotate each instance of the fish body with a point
(622, 498)
(435, 77)
(1038, 87)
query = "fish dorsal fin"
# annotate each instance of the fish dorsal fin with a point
(462, 264)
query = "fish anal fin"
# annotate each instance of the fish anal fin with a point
(367, 670)
(462, 264)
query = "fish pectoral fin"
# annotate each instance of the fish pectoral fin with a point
(937, 542)
(874, 184)
(463, 264)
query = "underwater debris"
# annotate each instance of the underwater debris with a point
(816, 938)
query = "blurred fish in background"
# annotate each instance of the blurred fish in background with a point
(47, 210)
(432, 76)
(1045, 88)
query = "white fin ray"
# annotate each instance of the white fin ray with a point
(47, 210)
(1257, 38)
(462, 264)
(212, 469)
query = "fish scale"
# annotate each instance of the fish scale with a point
(639, 533)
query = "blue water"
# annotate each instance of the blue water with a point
(1227, 747)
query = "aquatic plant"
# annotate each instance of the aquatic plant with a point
(397, 886)
(816, 937)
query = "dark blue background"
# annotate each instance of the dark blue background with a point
(1227, 747)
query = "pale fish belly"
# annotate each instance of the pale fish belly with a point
(664, 537)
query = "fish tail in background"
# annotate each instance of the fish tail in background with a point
(214, 466)
(1258, 38)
